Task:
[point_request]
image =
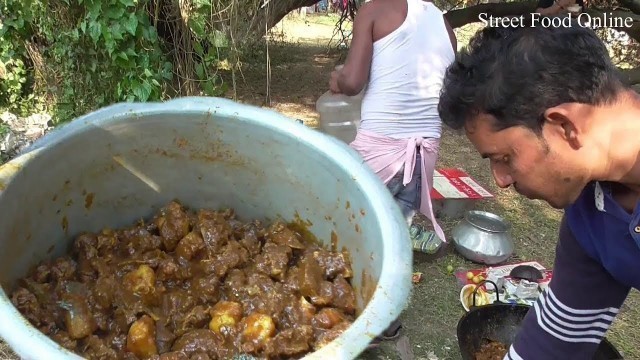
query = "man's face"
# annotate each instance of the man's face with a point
(539, 167)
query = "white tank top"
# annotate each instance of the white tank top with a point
(408, 65)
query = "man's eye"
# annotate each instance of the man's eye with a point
(502, 160)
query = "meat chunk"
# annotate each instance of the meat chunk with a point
(173, 224)
(274, 260)
(343, 295)
(189, 246)
(191, 285)
(98, 349)
(214, 230)
(280, 234)
(79, 321)
(328, 318)
(63, 269)
(291, 342)
(232, 255)
(200, 340)
(27, 303)
(327, 336)
(334, 263)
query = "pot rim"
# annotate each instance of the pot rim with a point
(491, 216)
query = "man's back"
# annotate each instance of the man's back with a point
(411, 51)
(388, 16)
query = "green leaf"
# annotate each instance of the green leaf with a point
(148, 73)
(109, 43)
(148, 89)
(122, 60)
(167, 71)
(141, 90)
(131, 52)
(83, 26)
(115, 12)
(94, 10)
(116, 31)
(198, 48)
(152, 35)
(209, 89)
(122, 55)
(131, 24)
(200, 71)
(127, 2)
(95, 29)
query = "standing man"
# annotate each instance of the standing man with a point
(547, 109)
(400, 51)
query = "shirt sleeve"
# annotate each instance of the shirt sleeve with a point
(571, 316)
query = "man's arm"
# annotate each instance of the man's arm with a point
(571, 317)
(355, 73)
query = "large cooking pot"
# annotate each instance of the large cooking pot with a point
(206, 152)
(500, 322)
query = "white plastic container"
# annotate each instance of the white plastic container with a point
(339, 114)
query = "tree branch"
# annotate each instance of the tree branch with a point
(630, 76)
(462, 17)
(471, 14)
(633, 5)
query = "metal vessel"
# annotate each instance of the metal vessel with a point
(483, 237)
(121, 163)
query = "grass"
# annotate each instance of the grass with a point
(301, 63)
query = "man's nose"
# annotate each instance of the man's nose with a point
(503, 178)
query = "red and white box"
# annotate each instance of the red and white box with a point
(455, 192)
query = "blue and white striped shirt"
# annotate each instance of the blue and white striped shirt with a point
(597, 263)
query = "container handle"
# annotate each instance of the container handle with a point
(478, 287)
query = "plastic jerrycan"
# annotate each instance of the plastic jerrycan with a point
(339, 114)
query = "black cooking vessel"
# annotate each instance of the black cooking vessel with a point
(500, 322)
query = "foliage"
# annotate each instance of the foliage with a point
(74, 56)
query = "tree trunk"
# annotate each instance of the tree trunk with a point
(267, 16)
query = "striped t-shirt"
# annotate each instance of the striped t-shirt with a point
(597, 263)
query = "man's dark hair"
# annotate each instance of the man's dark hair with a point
(515, 74)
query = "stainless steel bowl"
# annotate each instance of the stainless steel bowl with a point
(483, 237)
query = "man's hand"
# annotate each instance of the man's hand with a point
(333, 82)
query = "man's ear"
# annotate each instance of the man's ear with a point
(561, 121)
